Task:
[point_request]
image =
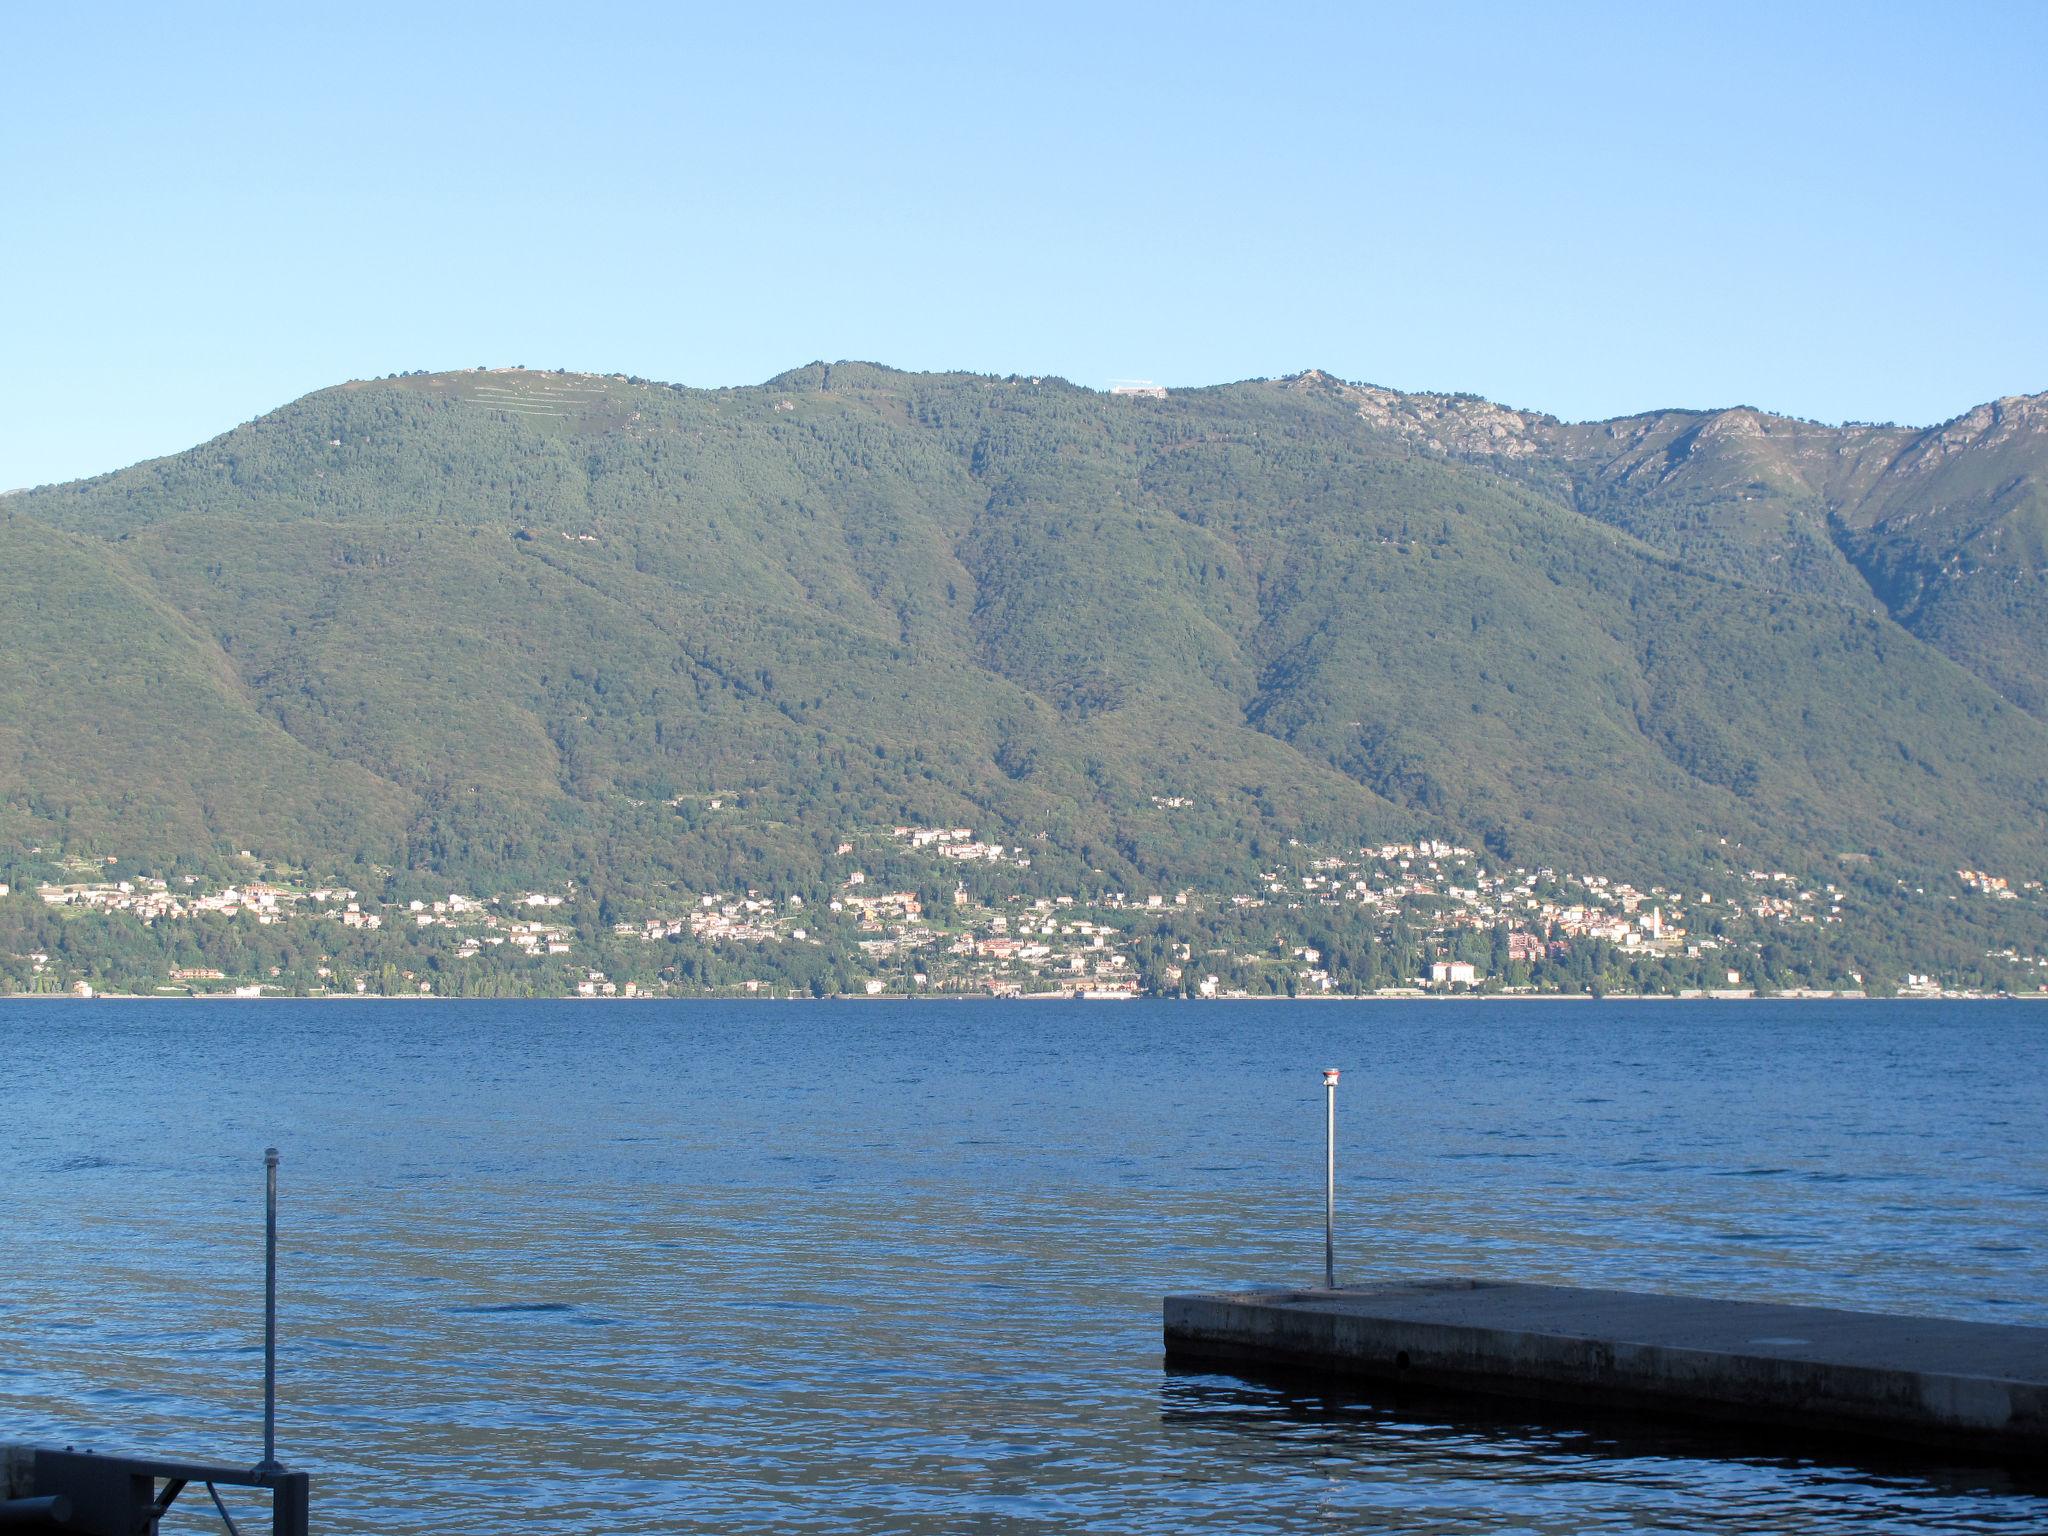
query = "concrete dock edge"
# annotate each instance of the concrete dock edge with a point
(1928, 1380)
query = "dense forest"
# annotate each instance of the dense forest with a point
(505, 627)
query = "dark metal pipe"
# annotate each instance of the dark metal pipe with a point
(52, 1512)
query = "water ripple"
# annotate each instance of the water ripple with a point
(588, 1269)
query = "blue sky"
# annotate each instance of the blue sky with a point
(1833, 212)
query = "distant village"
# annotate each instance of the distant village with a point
(1470, 927)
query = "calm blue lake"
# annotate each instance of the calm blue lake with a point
(897, 1267)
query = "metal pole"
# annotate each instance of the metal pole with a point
(270, 1464)
(1330, 1179)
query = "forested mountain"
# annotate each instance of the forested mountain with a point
(509, 625)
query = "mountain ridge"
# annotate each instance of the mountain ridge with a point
(816, 372)
(517, 613)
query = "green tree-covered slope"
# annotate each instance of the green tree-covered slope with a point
(509, 625)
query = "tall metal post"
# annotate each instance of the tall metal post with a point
(270, 1463)
(1330, 1179)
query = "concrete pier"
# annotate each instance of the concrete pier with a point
(1928, 1380)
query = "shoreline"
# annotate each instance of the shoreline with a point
(1044, 997)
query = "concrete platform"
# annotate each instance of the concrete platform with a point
(1930, 1380)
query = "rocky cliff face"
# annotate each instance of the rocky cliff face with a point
(1461, 425)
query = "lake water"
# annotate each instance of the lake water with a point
(896, 1267)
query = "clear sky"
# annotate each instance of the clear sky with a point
(1837, 212)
